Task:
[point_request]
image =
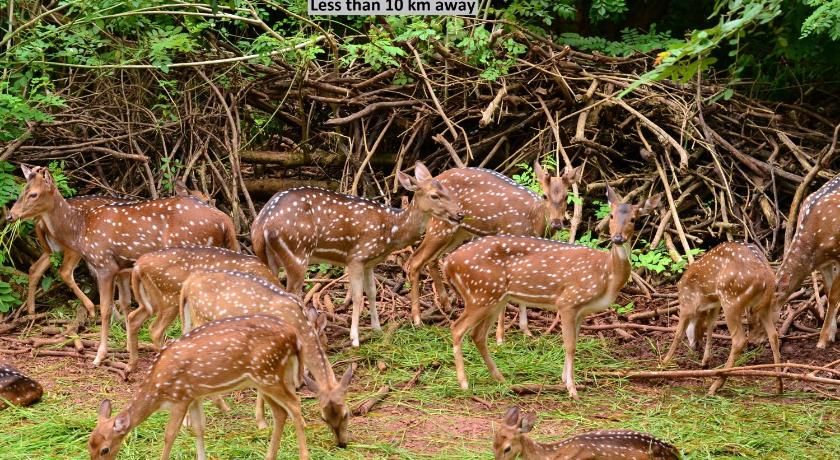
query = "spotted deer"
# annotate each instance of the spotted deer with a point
(304, 225)
(111, 237)
(157, 278)
(16, 388)
(252, 351)
(574, 280)
(209, 295)
(511, 441)
(815, 246)
(70, 258)
(737, 278)
(492, 204)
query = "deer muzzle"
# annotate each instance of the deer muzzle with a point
(618, 239)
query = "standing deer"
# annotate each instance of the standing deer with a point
(574, 280)
(214, 294)
(17, 388)
(157, 278)
(256, 351)
(111, 237)
(511, 441)
(308, 224)
(70, 258)
(492, 204)
(815, 246)
(737, 278)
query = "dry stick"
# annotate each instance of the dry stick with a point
(643, 327)
(445, 143)
(656, 312)
(432, 92)
(747, 371)
(487, 113)
(674, 214)
(368, 110)
(661, 133)
(370, 152)
(367, 405)
(800, 190)
(829, 365)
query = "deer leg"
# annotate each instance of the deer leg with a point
(133, 323)
(419, 259)
(681, 326)
(568, 323)
(176, 416)
(732, 314)
(479, 336)
(829, 326)
(370, 292)
(767, 320)
(500, 327)
(106, 299)
(356, 274)
(280, 416)
(710, 318)
(259, 414)
(160, 324)
(69, 262)
(36, 271)
(289, 401)
(197, 419)
(465, 322)
(523, 321)
(124, 290)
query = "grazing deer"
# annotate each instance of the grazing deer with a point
(157, 278)
(492, 204)
(815, 246)
(256, 351)
(214, 294)
(737, 278)
(572, 279)
(308, 224)
(70, 258)
(180, 188)
(16, 388)
(111, 237)
(511, 442)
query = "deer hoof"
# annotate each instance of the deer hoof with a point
(261, 424)
(465, 385)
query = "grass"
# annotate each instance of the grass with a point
(436, 419)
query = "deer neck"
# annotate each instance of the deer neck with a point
(319, 365)
(797, 264)
(618, 267)
(540, 217)
(141, 407)
(64, 223)
(532, 450)
(407, 226)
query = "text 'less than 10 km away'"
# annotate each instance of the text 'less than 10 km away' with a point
(393, 7)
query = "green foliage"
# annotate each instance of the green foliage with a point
(632, 42)
(624, 309)
(378, 51)
(824, 20)
(169, 170)
(603, 209)
(606, 9)
(9, 300)
(537, 12)
(659, 261)
(61, 181)
(9, 186)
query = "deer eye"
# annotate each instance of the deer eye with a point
(507, 449)
(33, 195)
(434, 197)
(105, 451)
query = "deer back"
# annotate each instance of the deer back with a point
(82, 204)
(17, 388)
(728, 269)
(613, 445)
(157, 277)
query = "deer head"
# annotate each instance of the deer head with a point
(507, 444)
(37, 195)
(555, 192)
(623, 215)
(106, 439)
(334, 411)
(430, 196)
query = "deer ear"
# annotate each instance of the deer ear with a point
(320, 322)
(47, 178)
(572, 175)
(421, 172)
(612, 197)
(526, 423)
(650, 204)
(122, 423)
(511, 416)
(104, 409)
(27, 171)
(408, 182)
(313, 387)
(345, 379)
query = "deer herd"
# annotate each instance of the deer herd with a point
(180, 258)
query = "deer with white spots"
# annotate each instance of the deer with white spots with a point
(70, 258)
(111, 237)
(511, 441)
(253, 351)
(157, 278)
(737, 278)
(492, 204)
(17, 388)
(574, 280)
(815, 246)
(210, 295)
(309, 225)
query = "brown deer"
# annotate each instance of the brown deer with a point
(157, 278)
(815, 246)
(308, 224)
(737, 278)
(70, 258)
(574, 280)
(214, 294)
(511, 441)
(16, 388)
(111, 237)
(256, 351)
(492, 204)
